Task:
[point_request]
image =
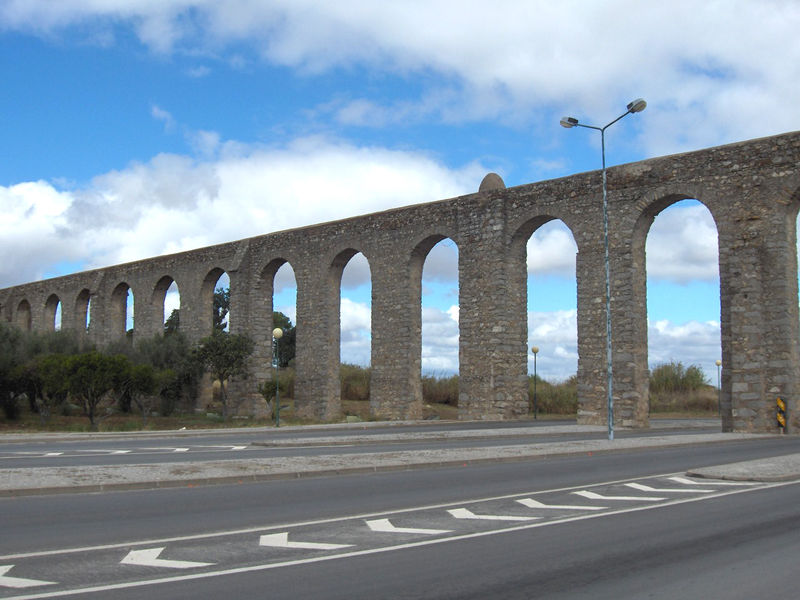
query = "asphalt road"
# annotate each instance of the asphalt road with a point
(239, 443)
(711, 541)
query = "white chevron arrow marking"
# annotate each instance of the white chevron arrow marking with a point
(647, 488)
(531, 503)
(384, 525)
(596, 496)
(18, 582)
(281, 540)
(150, 558)
(463, 513)
(686, 481)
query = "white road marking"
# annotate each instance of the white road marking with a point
(18, 582)
(381, 550)
(596, 496)
(362, 516)
(463, 513)
(686, 481)
(180, 449)
(385, 526)
(150, 558)
(281, 540)
(531, 503)
(647, 488)
(54, 454)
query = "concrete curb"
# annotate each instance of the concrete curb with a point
(57, 480)
(779, 468)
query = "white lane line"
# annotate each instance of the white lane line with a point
(647, 488)
(357, 553)
(386, 526)
(53, 454)
(180, 449)
(686, 481)
(18, 582)
(150, 558)
(261, 529)
(281, 540)
(463, 513)
(596, 496)
(531, 503)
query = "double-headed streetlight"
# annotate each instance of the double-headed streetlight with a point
(277, 334)
(637, 105)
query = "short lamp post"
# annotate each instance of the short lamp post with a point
(636, 106)
(277, 334)
(535, 350)
(719, 388)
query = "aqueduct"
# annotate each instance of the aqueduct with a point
(752, 190)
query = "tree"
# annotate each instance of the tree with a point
(140, 383)
(45, 381)
(286, 345)
(92, 377)
(224, 355)
(11, 357)
(173, 322)
(222, 306)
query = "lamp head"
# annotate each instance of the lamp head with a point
(637, 105)
(277, 333)
(535, 349)
(568, 122)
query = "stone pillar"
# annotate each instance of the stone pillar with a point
(760, 329)
(492, 354)
(317, 387)
(395, 385)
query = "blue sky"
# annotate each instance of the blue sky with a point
(134, 128)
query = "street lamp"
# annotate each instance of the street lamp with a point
(719, 388)
(535, 350)
(637, 105)
(277, 334)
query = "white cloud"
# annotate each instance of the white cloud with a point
(682, 245)
(691, 343)
(556, 335)
(551, 251)
(174, 203)
(500, 59)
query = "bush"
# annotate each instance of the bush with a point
(555, 398)
(354, 381)
(440, 390)
(673, 377)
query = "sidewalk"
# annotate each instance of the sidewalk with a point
(52, 480)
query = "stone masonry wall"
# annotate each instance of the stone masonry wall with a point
(752, 190)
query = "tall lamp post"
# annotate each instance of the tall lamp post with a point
(637, 105)
(535, 350)
(277, 334)
(719, 388)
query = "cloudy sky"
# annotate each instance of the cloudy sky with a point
(132, 128)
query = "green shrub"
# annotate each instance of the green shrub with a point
(554, 398)
(674, 377)
(354, 381)
(440, 390)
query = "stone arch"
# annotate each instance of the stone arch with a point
(520, 301)
(206, 318)
(52, 313)
(649, 208)
(24, 318)
(418, 256)
(83, 305)
(119, 309)
(158, 298)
